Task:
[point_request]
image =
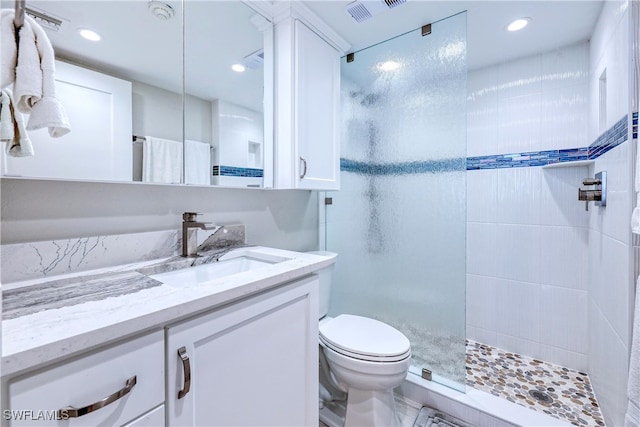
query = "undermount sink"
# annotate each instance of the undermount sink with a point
(232, 263)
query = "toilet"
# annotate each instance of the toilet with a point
(361, 361)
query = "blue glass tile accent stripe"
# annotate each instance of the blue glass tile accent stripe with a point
(532, 158)
(610, 139)
(221, 170)
(404, 168)
(634, 124)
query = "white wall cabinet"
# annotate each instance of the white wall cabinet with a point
(35, 398)
(254, 362)
(307, 107)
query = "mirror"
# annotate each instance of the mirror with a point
(224, 87)
(129, 112)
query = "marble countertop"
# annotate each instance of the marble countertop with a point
(64, 323)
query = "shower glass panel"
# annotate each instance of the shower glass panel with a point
(398, 222)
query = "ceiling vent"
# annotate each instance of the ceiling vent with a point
(254, 61)
(361, 10)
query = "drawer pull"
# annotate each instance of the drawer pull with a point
(186, 367)
(304, 171)
(71, 412)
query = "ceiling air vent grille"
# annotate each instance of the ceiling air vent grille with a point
(358, 11)
(255, 60)
(361, 10)
(394, 3)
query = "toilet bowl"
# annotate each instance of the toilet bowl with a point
(365, 360)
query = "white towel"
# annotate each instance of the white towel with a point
(34, 85)
(7, 129)
(8, 49)
(632, 418)
(197, 163)
(161, 160)
(28, 85)
(12, 129)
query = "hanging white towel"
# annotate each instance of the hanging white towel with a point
(7, 129)
(8, 49)
(161, 160)
(34, 80)
(197, 156)
(632, 419)
(12, 129)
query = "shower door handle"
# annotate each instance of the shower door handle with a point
(304, 170)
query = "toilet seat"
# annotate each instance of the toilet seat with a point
(364, 338)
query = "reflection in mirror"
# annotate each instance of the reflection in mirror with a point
(224, 85)
(127, 83)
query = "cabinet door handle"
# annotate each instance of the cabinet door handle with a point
(304, 170)
(186, 367)
(72, 412)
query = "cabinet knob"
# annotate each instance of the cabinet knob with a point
(304, 170)
(72, 412)
(186, 367)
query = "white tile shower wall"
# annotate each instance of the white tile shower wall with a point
(610, 290)
(610, 278)
(534, 103)
(524, 225)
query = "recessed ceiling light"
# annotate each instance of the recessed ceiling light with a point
(89, 34)
(238, 68)
(389, 66)
(518, 24)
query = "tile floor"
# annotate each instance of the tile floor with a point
(557, 391)
(541, 386)
(407, 411)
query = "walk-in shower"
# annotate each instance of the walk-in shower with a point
(399, 221)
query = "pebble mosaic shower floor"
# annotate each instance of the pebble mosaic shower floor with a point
(559, 392)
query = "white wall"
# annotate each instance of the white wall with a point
(236, 127)
(197, 119)
(610, 281)
(35, 210)
(527, 233)
(156, 112)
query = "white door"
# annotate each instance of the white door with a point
(252, 363)
(99, 146)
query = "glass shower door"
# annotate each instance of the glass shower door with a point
(398, 223)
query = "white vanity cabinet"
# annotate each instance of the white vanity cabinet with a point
(253, 362)
(307, 107)
(129, 375)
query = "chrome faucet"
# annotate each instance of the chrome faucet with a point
(189, 220)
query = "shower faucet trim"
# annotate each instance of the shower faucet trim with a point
(598, 194)
(189, 221)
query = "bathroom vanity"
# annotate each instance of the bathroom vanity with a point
(234, 345)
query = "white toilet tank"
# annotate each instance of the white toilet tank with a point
(326, 276)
